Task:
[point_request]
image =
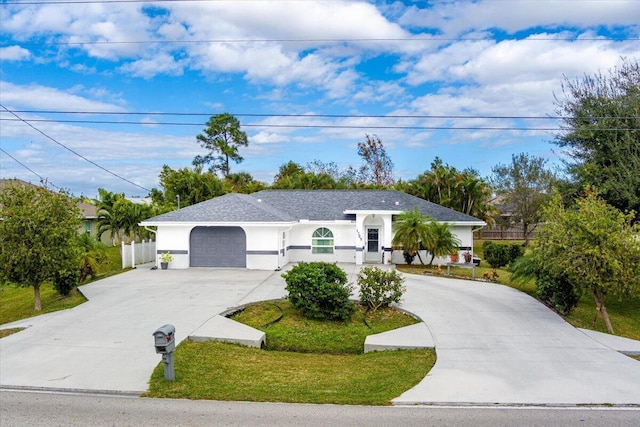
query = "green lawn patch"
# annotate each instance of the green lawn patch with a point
(306, 362)
(297, 333)
(624, 315)
(229, 372)
(16, 303)
(10, 331)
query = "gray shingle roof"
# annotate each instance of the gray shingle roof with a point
(314, 205)
(231, 207)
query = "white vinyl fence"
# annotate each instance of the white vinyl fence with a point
(138, 253)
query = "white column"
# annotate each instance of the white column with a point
(359, 239)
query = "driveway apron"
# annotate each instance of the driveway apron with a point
(106, 344)
(498, 345)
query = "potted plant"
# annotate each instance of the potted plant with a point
(454, 256)
(165, 259)
(467, 257)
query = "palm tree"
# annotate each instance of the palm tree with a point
(439, 240)
(93, 255)
(411, 229)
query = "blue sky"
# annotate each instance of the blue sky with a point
(405, 71)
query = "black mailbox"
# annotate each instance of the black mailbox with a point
(165, 340)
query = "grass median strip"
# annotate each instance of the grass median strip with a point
(230, 372)
(306, 361)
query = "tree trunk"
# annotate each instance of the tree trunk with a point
(36, 293)
(419, 257)
(525, 228)
(431, 260)
(601, 309)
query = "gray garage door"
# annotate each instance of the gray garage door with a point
(218, 247)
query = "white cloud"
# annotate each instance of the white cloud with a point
(458, 17)
(160, 63)
(49, 98)
(14, 53)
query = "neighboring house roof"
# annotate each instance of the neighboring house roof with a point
(312, 205)
(87, 210)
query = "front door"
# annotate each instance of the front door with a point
(373, 245)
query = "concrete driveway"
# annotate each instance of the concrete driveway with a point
(498, 345)
(494, 344)
(106, 344)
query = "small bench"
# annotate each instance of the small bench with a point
(463, 265)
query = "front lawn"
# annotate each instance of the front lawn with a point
(324, 362)
(16, 303)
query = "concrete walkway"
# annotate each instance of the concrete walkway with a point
(494, 344)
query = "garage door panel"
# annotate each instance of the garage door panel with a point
(218, 247)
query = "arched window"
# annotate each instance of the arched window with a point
(322, 241)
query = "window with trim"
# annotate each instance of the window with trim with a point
(322, 241)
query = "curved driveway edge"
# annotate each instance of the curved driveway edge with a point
(497, 345)
(494, 344)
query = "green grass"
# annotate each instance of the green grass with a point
(624, 316)
(229, 372)
(10, 331)
(296, 333)
(17, 303)
(325, 364)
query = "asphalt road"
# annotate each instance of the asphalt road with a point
(53, 409)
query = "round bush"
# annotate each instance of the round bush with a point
(319, 290)
(380, 288)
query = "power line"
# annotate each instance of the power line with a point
(311, 115)
(324, 126)
(324, 40)
(338, 116)
(72, 151)
(42, 179)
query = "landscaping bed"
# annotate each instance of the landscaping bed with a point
(306, 361)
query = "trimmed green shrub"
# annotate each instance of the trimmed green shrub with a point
(65, 282)
(319, 290)
(557, 291)
(380, 288)
(499, 255)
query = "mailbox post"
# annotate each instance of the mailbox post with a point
(165, 343)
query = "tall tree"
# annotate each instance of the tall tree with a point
(462, 191)
(293, 176)
(39, 231)
(222, 138)
(378, 167)
(243, 182)
(590, 246)
(187, 186)
(524, 185)
(601, 132)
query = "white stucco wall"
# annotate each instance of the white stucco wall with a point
(299, 244)
(463, 233)
(267, 251)
(176, 240)
(263, 247)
